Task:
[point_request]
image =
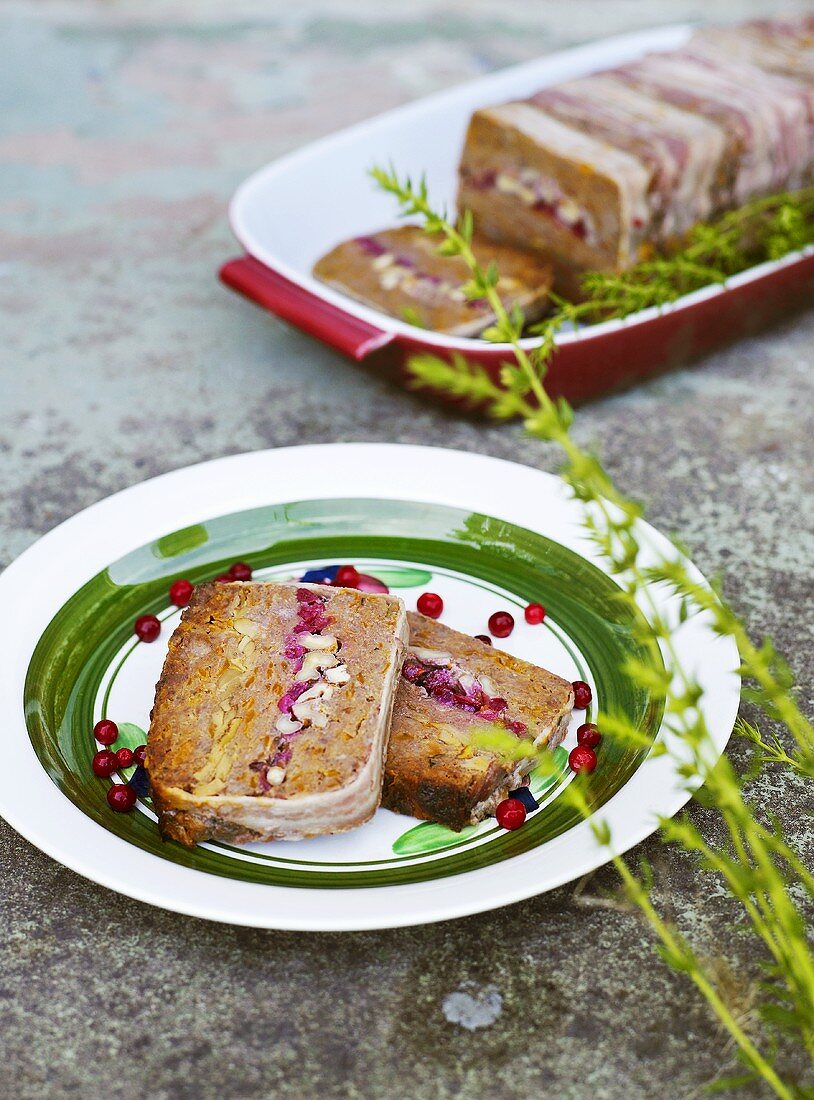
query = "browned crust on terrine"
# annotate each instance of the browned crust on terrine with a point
(213, 721)
(433, 771)
(400, 272)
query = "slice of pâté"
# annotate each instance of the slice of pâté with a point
(450, 686)
(272, 712)
(400, 272)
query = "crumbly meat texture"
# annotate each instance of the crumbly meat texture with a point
(433, 770)
(400, 272)
(213, 735)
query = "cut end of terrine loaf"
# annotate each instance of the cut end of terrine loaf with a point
(451, 686)
(532, 180)
(400, 272)
(272, 712)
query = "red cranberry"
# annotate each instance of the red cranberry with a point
(181, 592)
(367, 583)
(104, 763)
(582, 759)
(147, 628)
(501, 624)
(306, 596)
(412, 670)
(430, 604)
(105, 731)
(124, 757)
(510, 813)
(440, 679)
(223, 578)
(588, 735)
(347, 576)
(483, 638)
(121, 797)
(535, 613)
(582, 694)
(240, 571)
(140, 754)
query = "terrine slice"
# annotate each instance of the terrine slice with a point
(272, 712)
(451, 685)
(400, 272)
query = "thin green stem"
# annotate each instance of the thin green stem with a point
(711, 254)
(749, 1051)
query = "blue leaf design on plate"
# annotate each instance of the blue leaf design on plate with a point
(323, 575)
(139, 782)
(524, 795)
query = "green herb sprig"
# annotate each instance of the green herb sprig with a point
(761, 871)
(765, 229)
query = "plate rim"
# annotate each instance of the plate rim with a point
(350, 455)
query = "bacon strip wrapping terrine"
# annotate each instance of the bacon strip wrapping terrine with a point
(600, 171)
(272, 712)
(451, 686)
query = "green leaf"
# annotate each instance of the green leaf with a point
(448, 248)
(601, 831)
(493, 334)
(544, 776)
(430, 837)
(130, 736)
(395, 576)
(495, 738)
(412, 317)
(676, 958)
(180, 542)
(726, 1084)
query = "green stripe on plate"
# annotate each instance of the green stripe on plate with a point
(84, 637)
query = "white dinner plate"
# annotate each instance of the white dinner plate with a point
(485, 534)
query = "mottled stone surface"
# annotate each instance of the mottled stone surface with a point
(125, 127)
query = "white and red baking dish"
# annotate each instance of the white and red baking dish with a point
(292, 211)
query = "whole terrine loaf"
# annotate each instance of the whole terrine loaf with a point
(600, 171)
(400, 272)
(272, 712)
(452, 685)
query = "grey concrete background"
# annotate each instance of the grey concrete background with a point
(124, 129)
